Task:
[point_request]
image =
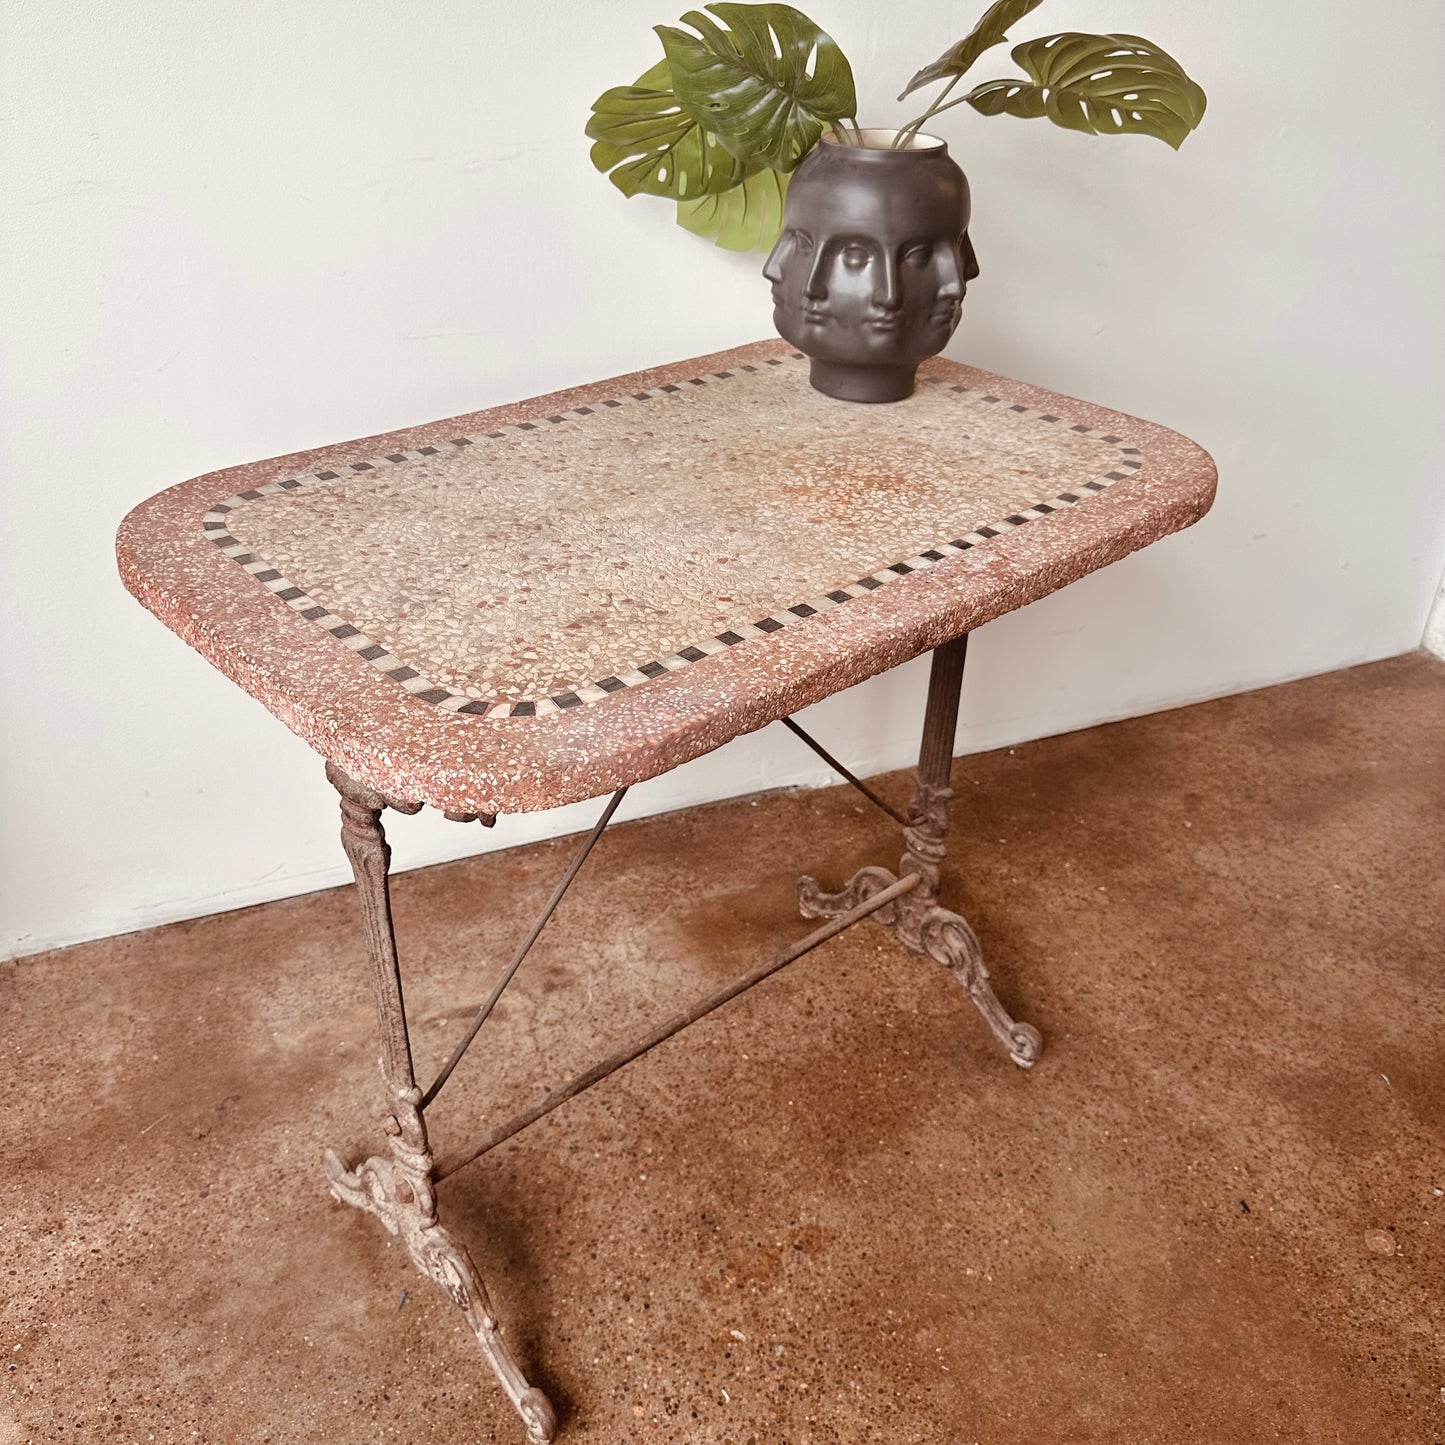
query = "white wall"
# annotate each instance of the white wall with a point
(1435, 624)
(237, 230)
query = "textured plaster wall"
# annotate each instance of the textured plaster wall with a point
(236, 231)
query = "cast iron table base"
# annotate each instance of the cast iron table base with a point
(556, 599)
(400, 1187)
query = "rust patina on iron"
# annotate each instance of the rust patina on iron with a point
(439, 612)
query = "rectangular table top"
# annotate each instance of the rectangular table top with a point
(535, 604)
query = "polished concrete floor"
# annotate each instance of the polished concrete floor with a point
(834, 1211)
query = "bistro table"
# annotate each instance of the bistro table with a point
(556, 599)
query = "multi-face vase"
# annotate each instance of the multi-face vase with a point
(874, 258)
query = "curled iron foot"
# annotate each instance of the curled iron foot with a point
(402, 1198)
(815, 902)
(1026, 1044)
(949, 940)
(923, 927)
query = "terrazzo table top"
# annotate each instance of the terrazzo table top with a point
(539, 603)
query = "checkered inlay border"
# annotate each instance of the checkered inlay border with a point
(216, 526)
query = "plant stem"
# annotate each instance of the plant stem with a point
(914, 126)
(938, 109)
(962, 100)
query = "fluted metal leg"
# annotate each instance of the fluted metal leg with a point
(917, 917)
(399, 1187)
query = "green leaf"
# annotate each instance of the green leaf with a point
(749, 217)
(766, 81)
(1099, 84)
(651, 144)
(991, 30)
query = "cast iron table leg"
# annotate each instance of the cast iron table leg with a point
(916, 917)
(399, 1189)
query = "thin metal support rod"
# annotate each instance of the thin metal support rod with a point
(838, 767)
(675, 1025)
(481, 1015)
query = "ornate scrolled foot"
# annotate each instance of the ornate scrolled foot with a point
(445, 1261)
(923, 927)
(814, 902)
(538, 1416)
(399, 1192)
(948, 939)
(1027, 1043)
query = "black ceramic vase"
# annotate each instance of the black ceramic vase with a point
(873, 262)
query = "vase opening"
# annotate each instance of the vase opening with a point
(882, 140)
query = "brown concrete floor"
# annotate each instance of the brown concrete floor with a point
(834, 1211)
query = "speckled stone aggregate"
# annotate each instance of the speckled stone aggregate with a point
(704, 505)
(647, 533)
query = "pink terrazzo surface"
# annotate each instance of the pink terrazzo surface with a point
(492, 572)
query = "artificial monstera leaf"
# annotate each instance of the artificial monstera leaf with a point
(1100, 84)
(747, 218)
(651, 144)
(991, 30)
(766, 81)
